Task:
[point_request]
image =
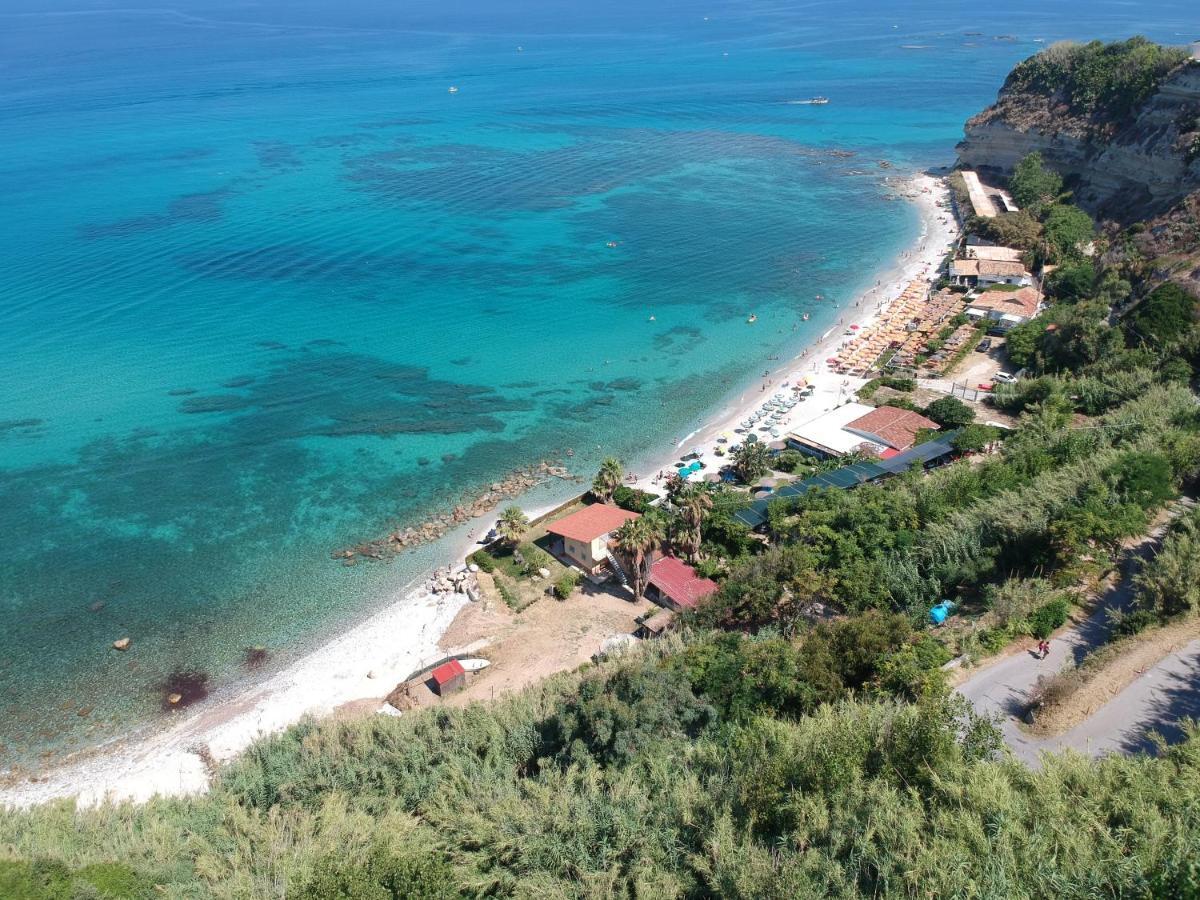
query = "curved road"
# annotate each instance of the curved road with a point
(1155, 701)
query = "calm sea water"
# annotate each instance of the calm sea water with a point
(268, 287)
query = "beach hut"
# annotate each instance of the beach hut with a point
(449, 677)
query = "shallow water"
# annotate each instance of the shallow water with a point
(269, 288)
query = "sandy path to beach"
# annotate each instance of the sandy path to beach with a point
(373, 656)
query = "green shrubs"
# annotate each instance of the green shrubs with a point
(381, 876)
(867, 391)
(789, 461)
(1033, 185)
(632, 499)
(533, 558)
(950, 412)
(1100, 81)
(484, 560)
(566, 584)
(1169, 584)
(974, 438)
(45, 879)
(1166, 315)
(1045, 619)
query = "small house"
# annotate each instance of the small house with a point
(984, 272)
(449, 678)
(1195, 51)
(656, 624)
(675, 585)
(1006, 308)
(583, 536)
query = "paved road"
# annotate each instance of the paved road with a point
(1156, 700)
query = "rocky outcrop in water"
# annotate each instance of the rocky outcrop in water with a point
(512, 485)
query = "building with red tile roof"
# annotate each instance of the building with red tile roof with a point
(584, 534)
(675, 584)
(891, 426)
(449, 677)
(1008, 308)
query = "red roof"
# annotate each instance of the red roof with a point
(679, 581)
(1022, 303)
(892, 425)
(591, 522)
(447, 672)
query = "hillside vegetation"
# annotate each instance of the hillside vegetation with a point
(798, 737)
(1101, 83)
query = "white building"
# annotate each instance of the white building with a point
(1196, 51)
(826, 437)
(985, 272)
(1006, 308)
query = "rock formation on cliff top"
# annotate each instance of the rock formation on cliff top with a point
(1120, 121)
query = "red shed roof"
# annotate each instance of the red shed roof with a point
(679, 581)
(893, 426)
(447, 672)
(591, 522)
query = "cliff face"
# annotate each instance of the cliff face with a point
(1126, 171)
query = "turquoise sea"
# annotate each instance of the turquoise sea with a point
(268, 287)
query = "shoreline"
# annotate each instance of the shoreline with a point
(939, 228)
(369, 658)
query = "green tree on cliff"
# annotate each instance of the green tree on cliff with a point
(1033, 185)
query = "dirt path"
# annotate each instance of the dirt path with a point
(548, 637)
(1154, 701)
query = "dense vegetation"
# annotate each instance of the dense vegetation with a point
(1101, 81)
(798, 739)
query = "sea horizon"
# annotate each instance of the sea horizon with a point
(278, 290)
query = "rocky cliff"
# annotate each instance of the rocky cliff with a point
(1135, 166)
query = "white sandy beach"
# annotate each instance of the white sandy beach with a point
(939, 230)
(368, 660)
(375, 655)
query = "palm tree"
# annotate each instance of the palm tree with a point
(608, 479)
(512, 524)
(693, 502)
(751, 461)
(636, 541)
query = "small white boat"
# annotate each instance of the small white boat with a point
(453, 89)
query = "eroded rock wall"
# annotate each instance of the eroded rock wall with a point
(1132, 171)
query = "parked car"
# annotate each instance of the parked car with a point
(984, 346)
(1004, 378)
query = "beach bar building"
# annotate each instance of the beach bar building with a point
(892, 427)
(449, 677)
(826, 437)
(584, 536)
